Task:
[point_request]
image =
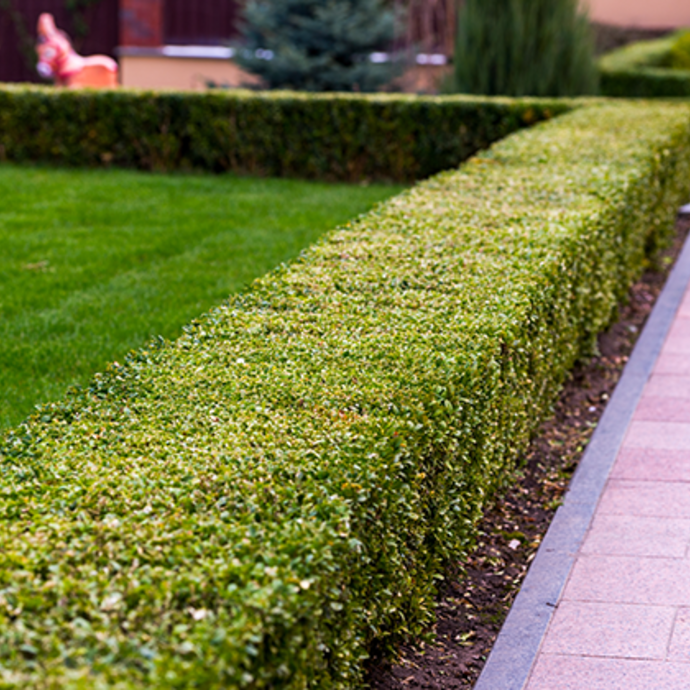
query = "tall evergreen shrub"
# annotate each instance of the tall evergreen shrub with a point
(524, 48)
(318, 45)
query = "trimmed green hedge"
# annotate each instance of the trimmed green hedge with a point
(679, 57)
(640, 70)
(338, 137)
(252, 505)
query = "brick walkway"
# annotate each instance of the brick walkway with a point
(623, 620)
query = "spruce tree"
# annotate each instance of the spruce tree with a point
(318, 45)
(524, 48)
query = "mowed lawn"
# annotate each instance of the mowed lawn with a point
(93, 263)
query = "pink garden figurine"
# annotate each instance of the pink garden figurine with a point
(57, 60)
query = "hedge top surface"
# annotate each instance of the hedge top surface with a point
(667, 53)
(282, 95)
(345, 137)
(651, 57)
(680, 51)
(639, 55)
(251, 505)
(643, 70)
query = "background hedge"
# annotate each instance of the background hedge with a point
(252, 505)
(337, 137)
(640, 70)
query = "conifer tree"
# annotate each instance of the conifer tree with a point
(318, 45)
(524, 48)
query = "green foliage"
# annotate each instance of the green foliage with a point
(680, 52)
(78, 10)
(644, 70)
(317, 45)
(94, 263)
(24, 33)
(524, 47)
(251, 505)
(331, 137)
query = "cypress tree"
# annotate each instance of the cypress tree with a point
(524, 48)
(318, 45)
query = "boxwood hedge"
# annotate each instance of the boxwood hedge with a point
(252, 505)
(640, 70)
(340, 137)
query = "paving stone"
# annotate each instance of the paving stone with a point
(668, 385)
(630, 580)
(556, 672)
(646, 499)
(649, 464)
(678, 339)
(663, 409)
(661, 435)
(679, 649)
(604, 629)
(626, 535)
(684, 309)
(670, 363)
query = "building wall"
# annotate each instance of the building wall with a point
(141, 22)
(180, 74)
(650, 14)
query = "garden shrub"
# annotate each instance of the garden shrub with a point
(644, 70)
(311, 45)
(524, 48)
(680, 52)
(336, 137)
(252, 505)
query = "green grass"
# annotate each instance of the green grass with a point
(94, 263)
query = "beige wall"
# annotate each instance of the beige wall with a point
(651, 14)
(158, 72)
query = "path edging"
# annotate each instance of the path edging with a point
(515, 650)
